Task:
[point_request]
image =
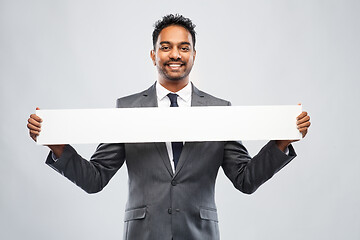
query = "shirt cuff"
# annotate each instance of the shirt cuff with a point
(286, 151)
(54, 157)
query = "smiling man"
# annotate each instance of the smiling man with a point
(171, 185)
(173, 55)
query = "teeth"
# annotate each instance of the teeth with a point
(174, 65)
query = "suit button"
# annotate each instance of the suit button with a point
(173, 182)
(169, 210)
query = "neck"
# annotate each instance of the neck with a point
(174, 86)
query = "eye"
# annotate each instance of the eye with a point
(165, 48)
(185, 49)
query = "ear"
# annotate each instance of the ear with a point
(194, 55)
(152, 55)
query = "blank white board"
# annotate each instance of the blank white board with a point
(129, 125)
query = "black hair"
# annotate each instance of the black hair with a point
(172, 19)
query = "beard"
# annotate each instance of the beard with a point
(174, 76)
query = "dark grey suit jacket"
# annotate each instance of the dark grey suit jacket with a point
(162, 204)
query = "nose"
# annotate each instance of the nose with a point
(175, 53)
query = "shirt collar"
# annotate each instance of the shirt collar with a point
(184, 93)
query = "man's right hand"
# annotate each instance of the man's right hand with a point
(34, 126)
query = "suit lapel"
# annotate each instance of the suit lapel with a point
(197, 99)
(161, 147)
(149, 99)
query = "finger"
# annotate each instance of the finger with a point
(303, 125)
(35, 117)
(33, 127)
(304, 119)
(303, 114)
(34, 122)
(34, 132)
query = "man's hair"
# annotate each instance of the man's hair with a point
(172, 19)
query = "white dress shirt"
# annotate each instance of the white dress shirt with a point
(184, 100)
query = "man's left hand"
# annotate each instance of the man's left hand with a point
(303, 124)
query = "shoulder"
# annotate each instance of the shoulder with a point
(209, 99)
(134, 100)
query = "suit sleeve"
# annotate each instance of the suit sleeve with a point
(92, 176)
(246, 173)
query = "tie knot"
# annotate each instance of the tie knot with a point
(173, 99)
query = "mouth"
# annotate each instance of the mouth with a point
(174, 66)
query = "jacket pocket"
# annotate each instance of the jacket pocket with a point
(133, 214)
(208, 214)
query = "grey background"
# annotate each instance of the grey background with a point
(85, 54)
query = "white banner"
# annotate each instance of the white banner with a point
(129, 125)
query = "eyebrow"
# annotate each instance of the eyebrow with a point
(182, 43)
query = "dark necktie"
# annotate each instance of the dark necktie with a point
(176, 146)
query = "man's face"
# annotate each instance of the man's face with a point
(174, 53)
